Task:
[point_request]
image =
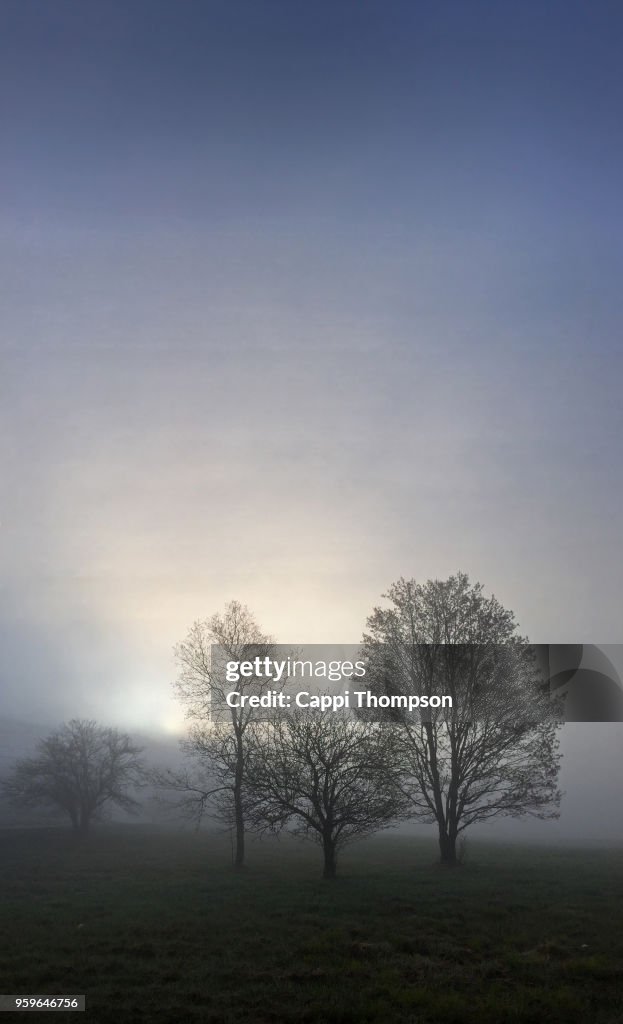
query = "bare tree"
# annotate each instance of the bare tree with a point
(218, 746)
(327, 777)
(78, 769)
(495, 752)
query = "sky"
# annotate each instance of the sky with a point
(299, 298)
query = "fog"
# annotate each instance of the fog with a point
(590, 779)
(297, 300)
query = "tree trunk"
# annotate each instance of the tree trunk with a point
(447, 848)
(330, 859)
(85, 822)
(239, 819)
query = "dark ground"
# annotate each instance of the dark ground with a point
(154, 926)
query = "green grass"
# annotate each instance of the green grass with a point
(155, 926)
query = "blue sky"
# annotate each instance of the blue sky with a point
(298, 298)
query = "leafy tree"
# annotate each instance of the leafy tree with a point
(78, 769)
(495, 752)
(327, 777)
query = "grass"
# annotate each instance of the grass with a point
(154, 926)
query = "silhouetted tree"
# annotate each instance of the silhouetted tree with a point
(327, 777)
(218, 742)
(496, 751)
(78, 769)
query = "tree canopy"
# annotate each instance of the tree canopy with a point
(217, 745)
(326, 776)
(78, 769)
(495, 752)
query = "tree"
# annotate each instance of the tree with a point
(495, 752)
(327, 776)
(78, 769)
(218, 745)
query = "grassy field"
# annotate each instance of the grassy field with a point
(154, 926)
